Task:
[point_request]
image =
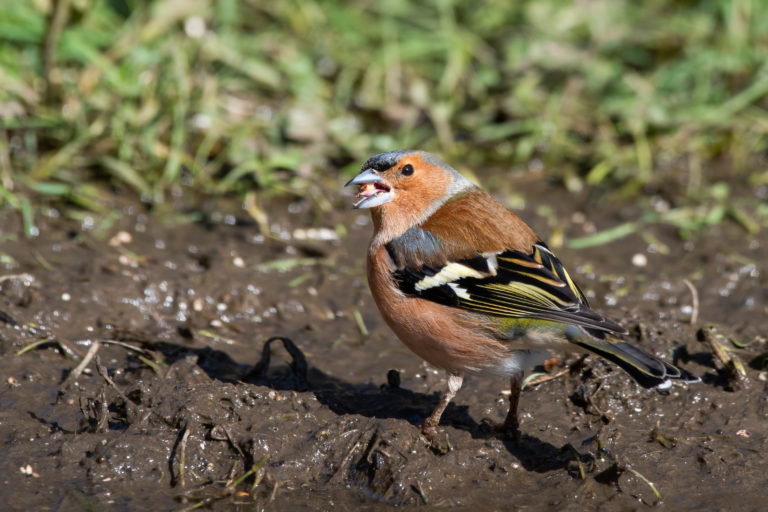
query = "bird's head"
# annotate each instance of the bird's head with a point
(412, 180)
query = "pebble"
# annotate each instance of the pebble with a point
(122, 237)
(317, 234)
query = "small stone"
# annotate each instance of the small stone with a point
(315, 234)
(121, 238)
(640, 260)
(28, 471)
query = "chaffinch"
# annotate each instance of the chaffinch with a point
(470, 288)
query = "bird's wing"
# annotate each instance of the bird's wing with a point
(507, 284)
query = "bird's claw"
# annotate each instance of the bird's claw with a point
(431, 435)
(509, 429)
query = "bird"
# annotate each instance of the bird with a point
(470, 288)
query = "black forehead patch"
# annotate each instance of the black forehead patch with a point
(384, 161)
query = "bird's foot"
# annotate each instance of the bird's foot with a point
(508, 429)
(432, 436)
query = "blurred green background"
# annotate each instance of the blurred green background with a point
(201, 97)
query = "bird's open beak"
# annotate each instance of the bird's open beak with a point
(373, 191)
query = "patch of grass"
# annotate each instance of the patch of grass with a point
(224, 97)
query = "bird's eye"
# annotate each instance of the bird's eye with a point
(407, 170)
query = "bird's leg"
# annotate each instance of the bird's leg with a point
(429, 428)
(511, 425)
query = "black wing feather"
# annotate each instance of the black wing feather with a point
(508, 284)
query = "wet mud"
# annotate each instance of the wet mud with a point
(135, 375)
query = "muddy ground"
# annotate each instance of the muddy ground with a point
(172, 410)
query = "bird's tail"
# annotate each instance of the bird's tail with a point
(647, 370)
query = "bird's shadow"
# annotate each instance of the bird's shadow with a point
(366, 399)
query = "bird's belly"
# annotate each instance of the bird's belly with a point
(448, 352)
(442, 336)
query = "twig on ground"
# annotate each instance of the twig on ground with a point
(547, 377)
(68, 352)
(183, 460)
(694, 300)
(641, 477)
(78, 370)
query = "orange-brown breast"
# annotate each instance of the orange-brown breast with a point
(485, 226)
(443, 336)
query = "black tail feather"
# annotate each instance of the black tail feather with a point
(647, 370)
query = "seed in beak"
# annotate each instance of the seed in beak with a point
(367, 190)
